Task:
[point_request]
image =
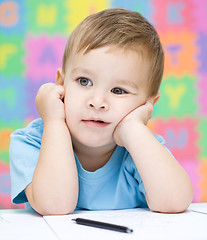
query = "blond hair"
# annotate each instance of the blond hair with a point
(117, 27)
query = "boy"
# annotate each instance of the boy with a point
(91, 149)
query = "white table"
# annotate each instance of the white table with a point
(24, 224)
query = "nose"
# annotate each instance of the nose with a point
(98, 102)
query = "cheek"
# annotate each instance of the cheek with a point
(122, 111)
(70, 105)
(125, 108)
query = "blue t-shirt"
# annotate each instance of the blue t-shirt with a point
(117, 185)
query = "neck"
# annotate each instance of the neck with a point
(93, 158)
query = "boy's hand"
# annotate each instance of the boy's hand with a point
(49, 102)
(139, 116)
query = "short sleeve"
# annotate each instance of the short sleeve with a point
(134, 181)
(137, 176)
(162, 141)
(24, 153)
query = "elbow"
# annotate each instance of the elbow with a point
(174, 204)
(51, 204)
(56, 206)
(53, 213)
(46, 208)
(170, 208)
(55, 210)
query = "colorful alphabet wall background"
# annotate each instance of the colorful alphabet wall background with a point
(33, 34)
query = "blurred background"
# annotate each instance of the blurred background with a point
(33, 34)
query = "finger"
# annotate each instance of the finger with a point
(45, 88)
(61, 91)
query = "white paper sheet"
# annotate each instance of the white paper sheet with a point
(199, 207)
(146, 225)
(5, 230)
(24, 226)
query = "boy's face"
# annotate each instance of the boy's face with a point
(101, 88)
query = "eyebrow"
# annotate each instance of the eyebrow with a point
(125, 82)
(81, 70)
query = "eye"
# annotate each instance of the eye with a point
(118, 91)
(84, 82)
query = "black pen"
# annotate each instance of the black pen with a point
(103, 225)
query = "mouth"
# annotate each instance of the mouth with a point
(95, 123)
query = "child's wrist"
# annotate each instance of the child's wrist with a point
(124, 134)
(54, 122)
(130, 125)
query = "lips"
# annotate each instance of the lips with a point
(96, 123)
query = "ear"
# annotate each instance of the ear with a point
(60, 77)
(154, 99)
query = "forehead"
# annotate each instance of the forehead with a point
(115, 62)
(114, 55)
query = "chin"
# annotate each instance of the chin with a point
(93, 142)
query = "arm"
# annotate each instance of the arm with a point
(54, 188)
(168, 187)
